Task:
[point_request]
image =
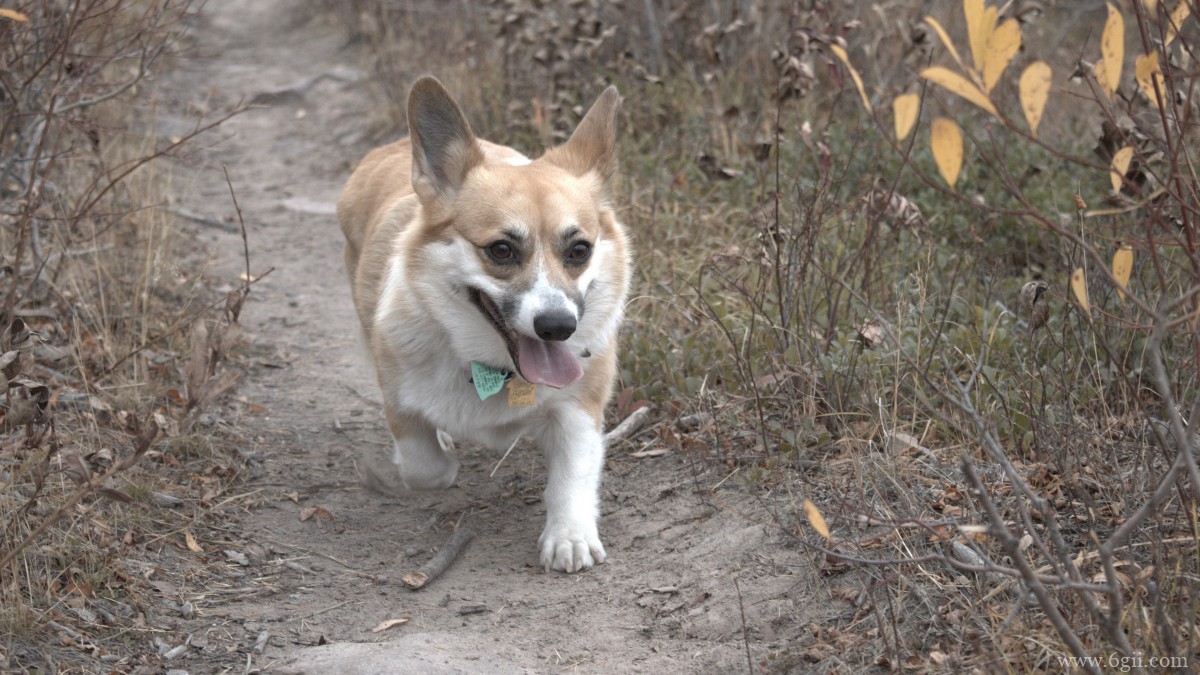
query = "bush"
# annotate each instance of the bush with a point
(968, 336)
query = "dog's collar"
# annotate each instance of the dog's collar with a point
(488, 380)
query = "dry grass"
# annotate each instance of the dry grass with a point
(112, 338)
(847, 330)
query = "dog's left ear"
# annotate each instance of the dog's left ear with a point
(593, 146)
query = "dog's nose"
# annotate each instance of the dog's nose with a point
(554, 326)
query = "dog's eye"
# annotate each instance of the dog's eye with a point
(579, 252)
(502, 251)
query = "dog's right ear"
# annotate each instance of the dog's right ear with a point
(443, 148)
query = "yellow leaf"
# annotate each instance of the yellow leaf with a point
(960, 85)
(816, 519)
(841, 54)
(1120, 165)
(1148, 74)
(1035, 89)
(1178, 15)
(1112, 49)
(1098, 70)
(945, 38)
(946, 142)
(990, 15)
(979, 27)
(1122, 266)
(1003, 45)
(13, 14)
(1079, 286)
(905, 107)
(1152, 6)
(190, 540)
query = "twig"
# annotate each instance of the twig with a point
(71, 633)
(438, 563)
(245, 243)
(187, 321)
(140, 446)
(328, 609)
(326, 556)
(1012, 547)
(628, 427)
(203, 219)
(148, 57)
(503, 457)
(745, 635)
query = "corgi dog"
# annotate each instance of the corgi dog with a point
(491, 288)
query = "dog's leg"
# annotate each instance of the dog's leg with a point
(419, 457)
(574, 452)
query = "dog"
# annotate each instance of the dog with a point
(491, 288)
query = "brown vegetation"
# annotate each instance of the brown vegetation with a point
(983, 380)
(1007, 484)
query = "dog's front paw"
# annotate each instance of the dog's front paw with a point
(570, 546)
(424, 468)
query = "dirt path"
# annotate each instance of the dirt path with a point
(315, 589)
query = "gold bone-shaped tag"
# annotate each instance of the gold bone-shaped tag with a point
(521, 394)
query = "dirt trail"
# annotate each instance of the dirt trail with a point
(666, 601)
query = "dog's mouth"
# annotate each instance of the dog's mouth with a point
(537, 361)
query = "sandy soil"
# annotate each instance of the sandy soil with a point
(310, 592)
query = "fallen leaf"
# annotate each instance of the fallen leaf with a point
(75, 468)
(390, 623)
(294, 496)
(191, 542)
(946, 142)
(1034, 89)
(14, 15)
(899, 442)
(816, 519)
(115, 495)
(872, 332)
(318, 511)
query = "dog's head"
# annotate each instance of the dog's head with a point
(523, 261)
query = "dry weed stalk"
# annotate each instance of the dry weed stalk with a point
(83, 250)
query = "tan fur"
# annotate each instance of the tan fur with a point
(442, 192)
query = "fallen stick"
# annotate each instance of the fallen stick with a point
(438, 563)
(628, 427)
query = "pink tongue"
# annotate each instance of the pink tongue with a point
(548, 363)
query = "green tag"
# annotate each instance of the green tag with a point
(488, 380)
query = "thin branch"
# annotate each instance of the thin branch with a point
(140, 446)
(1012, 546)
(440, 562)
